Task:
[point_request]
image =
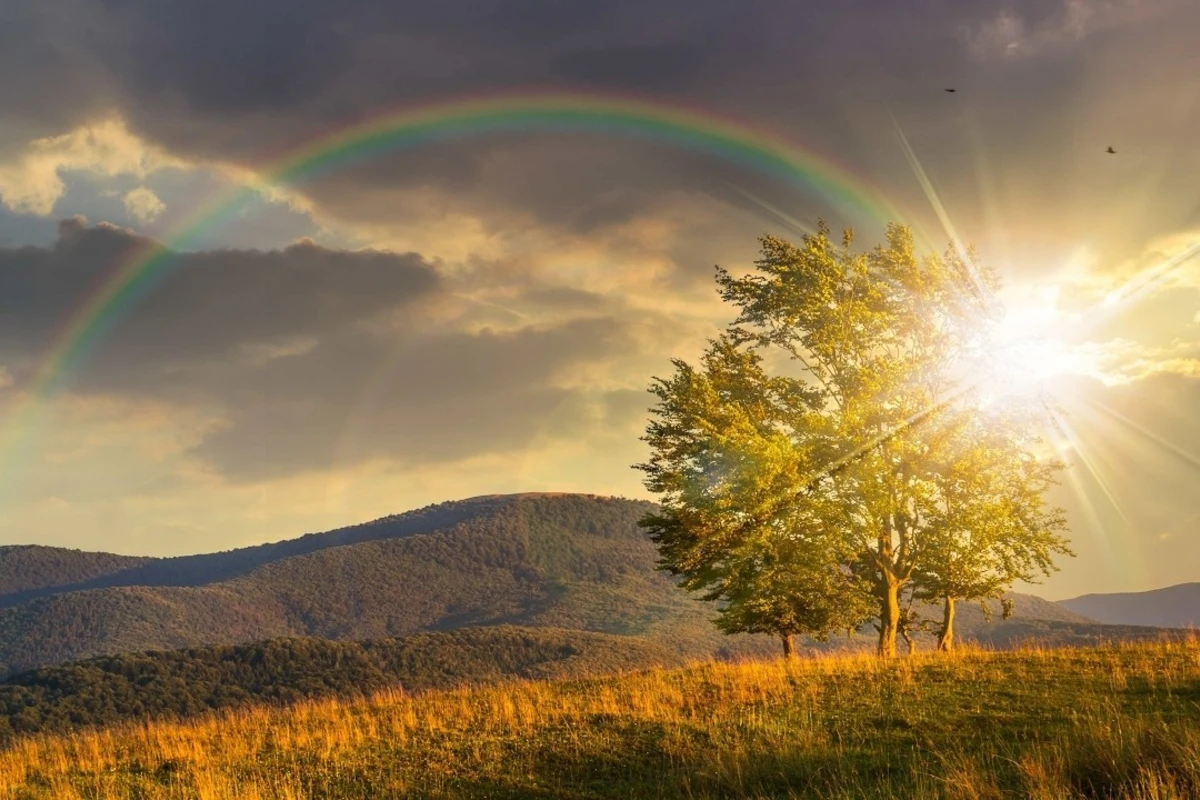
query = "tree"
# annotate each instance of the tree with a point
(847, 458)
(989, 525)
(876, 334)
(729, 446)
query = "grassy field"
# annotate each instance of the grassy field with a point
(1113, 722)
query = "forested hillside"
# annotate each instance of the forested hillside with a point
(183, 682)
(576, 562)
(29, 570)
(568, 561)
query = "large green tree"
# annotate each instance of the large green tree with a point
(834, 461)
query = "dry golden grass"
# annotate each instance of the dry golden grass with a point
(1112, 722)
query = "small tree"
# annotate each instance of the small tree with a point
(793, 587)
(989, 524)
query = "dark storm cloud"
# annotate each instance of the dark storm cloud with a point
(205, 305)
(311, 355)
(242, 81)
(182, 70)
(45, 89)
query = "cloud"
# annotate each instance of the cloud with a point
(143, 204)
(267, 94)
(487, 310)
(307, 358)
(290, 72)
(1122, 361)
(31, 180)
(1056, 26)
(419, 399)
(205, 305)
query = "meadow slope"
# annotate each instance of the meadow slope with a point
(1120, 721)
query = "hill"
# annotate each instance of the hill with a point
(184, 682)
(31, 571)
(576, 562)
(566, 561)
(1115, 722)
(1172, 607)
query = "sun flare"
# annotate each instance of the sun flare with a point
(1026, 348)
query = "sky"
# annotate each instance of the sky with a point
(482, 312)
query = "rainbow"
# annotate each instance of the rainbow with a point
(674, 125)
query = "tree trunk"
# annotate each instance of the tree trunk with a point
(908, 640)
(889, 616)
(946, 637)
(788, 649)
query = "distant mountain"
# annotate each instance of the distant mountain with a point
(1172, 607)
(577, 562)
(181, 682)
(569, 561)
(31, 571)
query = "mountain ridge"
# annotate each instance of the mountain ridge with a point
(572, 561)
(222, 564)
(545, 560)
(1176, 606)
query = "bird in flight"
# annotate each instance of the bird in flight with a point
(1110, 150)
(951, 90)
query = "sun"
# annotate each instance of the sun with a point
(1025, 348)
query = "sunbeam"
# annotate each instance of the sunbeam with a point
(1095, 524)
(1077, 445)
(787, 219)
(939, 209)
(1153, 437)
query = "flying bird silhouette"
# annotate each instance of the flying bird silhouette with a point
(950, 90)
(1110, 150)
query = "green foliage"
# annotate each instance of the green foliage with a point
(989, 524)
(727, 453)
(856, 464)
